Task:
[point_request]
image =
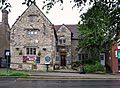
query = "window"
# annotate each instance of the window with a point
(31, 51)
(44, 27)
(83, 56)
(32, 32)
(62, 40)
(63, 30)
(32, 18)
(57, 58)
(38, 60)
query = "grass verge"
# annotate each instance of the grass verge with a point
(13, 74)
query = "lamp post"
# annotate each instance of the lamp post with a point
(7, 57)
(47, 62)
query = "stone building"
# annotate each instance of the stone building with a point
(67, 41)
(4, 34)
(35, 42)
(32, 40)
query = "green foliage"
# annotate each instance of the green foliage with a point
(29, 2)
(97, 33)
(4, 4)
(13, 74)
(94, 68)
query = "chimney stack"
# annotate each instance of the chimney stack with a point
(4, 16)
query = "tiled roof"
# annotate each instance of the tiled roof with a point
(72, 28)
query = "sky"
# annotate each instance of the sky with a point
(55, 15)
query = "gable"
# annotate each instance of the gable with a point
(63, 29)
(73, 29)
(30, 12)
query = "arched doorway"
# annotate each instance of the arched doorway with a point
(63, 58)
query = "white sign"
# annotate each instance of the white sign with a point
(7, 53)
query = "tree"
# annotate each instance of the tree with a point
(94, 30)
(4, 4)
(100, 29)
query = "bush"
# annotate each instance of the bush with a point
(94, 68)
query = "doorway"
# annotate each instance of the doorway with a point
(63, 60)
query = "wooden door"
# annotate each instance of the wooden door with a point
(63, 60)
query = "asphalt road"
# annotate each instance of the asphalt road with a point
(60, 84)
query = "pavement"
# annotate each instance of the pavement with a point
(65, 74)
(74, 76)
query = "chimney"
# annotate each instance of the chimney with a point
(4, 16)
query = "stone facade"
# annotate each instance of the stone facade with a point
(32, 39)
(64, 46)
(67, 53)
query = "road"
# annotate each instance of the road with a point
(59, 83)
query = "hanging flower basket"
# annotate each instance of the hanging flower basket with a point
(39, 53)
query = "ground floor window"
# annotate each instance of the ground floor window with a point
(57, 58)
(30, 51)
(83, 57)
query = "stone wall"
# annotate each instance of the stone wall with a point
(32, 30)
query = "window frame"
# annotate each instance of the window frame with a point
(31, 51)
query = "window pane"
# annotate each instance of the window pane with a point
(57, 58)
(60, 41)
(27, 50)
(28, 32)
(38, 60)
(34, 51)
(31, 18)
(64, 41)
(31, 32)
(35, 32)
(30, 51)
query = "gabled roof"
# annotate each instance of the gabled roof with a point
(25, 12)
(73, 28)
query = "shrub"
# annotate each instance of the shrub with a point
(93, 68)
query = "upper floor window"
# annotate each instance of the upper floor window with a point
(63, 30)
(32, 18)
(62, 40)
(32, 32)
